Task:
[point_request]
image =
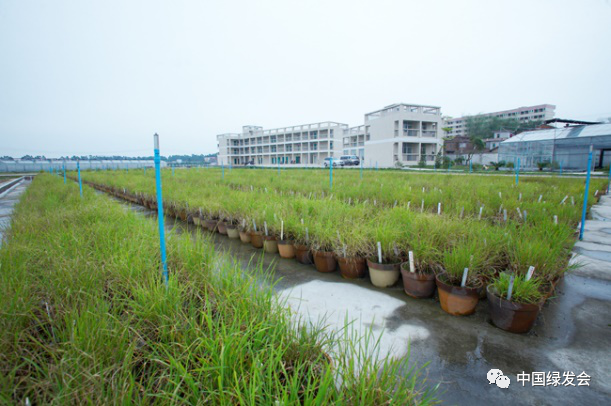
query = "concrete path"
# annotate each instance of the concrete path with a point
(8, 200)
(593, 253)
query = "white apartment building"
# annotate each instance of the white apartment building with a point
(458, 126)
(301, 145)
(405, 133)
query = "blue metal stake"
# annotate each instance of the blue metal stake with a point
(172, 171)
(331, 174)
(518, 172)
(145, 171)
(585, 196)
(560, 167)
(160, 210)
(80, 184)
(278, 162)
(223, 168)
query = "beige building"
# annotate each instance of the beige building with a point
(541, 112)
(404, 133)
(302, 145)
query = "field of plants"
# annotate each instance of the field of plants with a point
(86, 318)
(471, 231)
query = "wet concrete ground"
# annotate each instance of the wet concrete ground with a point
(572, 333)
(8, 200)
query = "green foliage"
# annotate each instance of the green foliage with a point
(523, 291)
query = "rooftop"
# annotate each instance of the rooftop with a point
(578, 131)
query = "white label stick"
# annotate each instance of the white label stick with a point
(282, 230)
(529, 274)
(464, 277)
(412, 268)
(510, 289)
(265, 225)
(439, 208)
(379, 252)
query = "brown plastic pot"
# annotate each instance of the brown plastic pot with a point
(352, 267)
(417, 284)
(286, 249)
(325, 261)
(245, 236)
(222, 227)
(256, 239)
(511, 316)
(270, 244)
(232, 232)
(457, 300)
(196, 220)
(383, 275)
(303, 254)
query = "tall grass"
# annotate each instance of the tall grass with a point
(84, 318)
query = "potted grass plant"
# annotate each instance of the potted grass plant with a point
(303, 253)
(514, 302)
(323, 242)
(270, 243)
(459, 284)
(418, 273)
(256, 236)
(384, 270)
(286, 249)
(244, 232)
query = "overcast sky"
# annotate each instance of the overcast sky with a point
(100, 77)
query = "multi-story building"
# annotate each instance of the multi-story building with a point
(541, 112)
(301, 145)
(400, 133)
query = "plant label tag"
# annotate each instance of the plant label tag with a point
(555, 220)
(464, 277)
(529, 274)
(422, 207)
(519, 212)
(265, 225)
(438, 208)
(510, 288)
(282, 230)
(540, 197)
(379, 252)
(520, 197)
(505, 215)
(412, 268)
(462, 211)
(254, 224)
(563, 200)
(479, 217)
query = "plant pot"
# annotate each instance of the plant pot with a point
(457, 300)
(325, 261)
(196, 220)
(245, 236)
(256, 239)
(511, 316)
(211, 225)
(222, 227)
(286, 249)
(270, 244)
(303, 255)
(383, 275)
(232, 231)
(352, 267)
(417, 284)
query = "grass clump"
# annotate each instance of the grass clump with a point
(523, 291)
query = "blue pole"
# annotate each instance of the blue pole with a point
(278, 163)
(172, 170)
(223, 168)
(518, 172)
(560, 162)
(331, 174)
(585, 196)
(160, 210)
(80, 184)
(145, 170)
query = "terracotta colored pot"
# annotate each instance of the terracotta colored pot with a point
(286, 249)
(256, 239)
(457, 300)
(245, 236)
(270, 244)
(222, 227)
(325, 261)
(303, 254)
(417, 284)
(352, 267)
(211, 225)
(383, 275)
(511, 316)
(232, 231)
(183, 215)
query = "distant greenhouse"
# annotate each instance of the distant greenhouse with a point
(562, 148)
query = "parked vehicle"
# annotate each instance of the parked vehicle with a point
(336, 162)
(350, 160)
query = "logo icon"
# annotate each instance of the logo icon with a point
(496, 376)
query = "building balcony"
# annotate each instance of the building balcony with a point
(411, 133)
(429, 133)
